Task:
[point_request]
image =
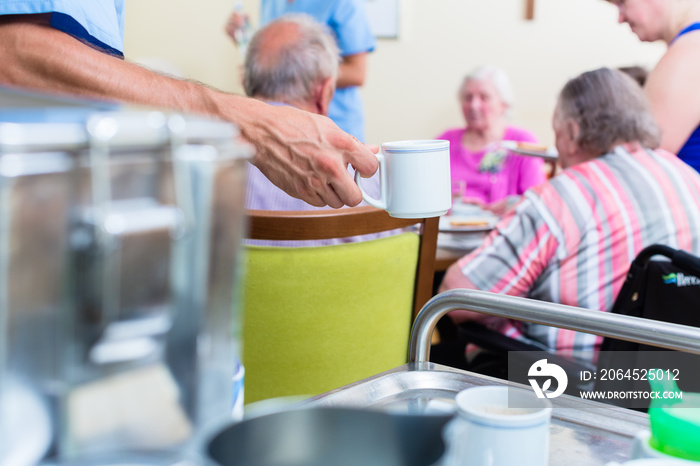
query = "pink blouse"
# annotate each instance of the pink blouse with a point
(494, 173)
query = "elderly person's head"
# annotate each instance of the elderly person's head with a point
(599, 110)
(486, 97)
(293, 60)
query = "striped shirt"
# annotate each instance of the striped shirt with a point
(571, 240)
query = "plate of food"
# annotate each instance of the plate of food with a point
(532, 149)
(458, 223)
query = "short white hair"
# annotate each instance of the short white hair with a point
(498, 78)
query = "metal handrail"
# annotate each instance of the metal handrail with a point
(635, 329)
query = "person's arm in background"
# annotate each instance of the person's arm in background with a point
(530, 169)
(352, 70)
(355, 39)
(509, 261)
(529, 172)
(304, 154)
(674, 95)
(235, 26)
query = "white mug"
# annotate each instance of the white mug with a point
(498, 426)
(414, 179)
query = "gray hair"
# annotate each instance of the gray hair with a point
(609, 107)
(498, 78)
(296, 67)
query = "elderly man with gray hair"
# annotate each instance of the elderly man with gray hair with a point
(572, 239)
(292, 61)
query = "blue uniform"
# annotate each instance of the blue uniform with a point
(690, 152)
(348, 21)
(97, 22)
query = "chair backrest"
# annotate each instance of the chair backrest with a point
(664, 290)
(318, 318)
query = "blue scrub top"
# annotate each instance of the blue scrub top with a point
(347, 20)
(97, 22)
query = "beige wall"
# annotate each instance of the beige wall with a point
(411, 87)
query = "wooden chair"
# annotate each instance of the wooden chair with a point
(318, 318)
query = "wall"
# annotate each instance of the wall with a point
(190, 39)
(412, 83)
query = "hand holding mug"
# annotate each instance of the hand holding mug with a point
(414, 179)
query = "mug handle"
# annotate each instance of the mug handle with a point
(381, 202)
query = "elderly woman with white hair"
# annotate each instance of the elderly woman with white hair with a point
(484, 171)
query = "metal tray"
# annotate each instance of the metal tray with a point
(582, 432)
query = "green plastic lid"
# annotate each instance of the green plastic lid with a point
(675, 422)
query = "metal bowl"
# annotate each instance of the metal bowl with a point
(331, 436)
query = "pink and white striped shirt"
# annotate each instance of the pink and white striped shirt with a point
(571, 240)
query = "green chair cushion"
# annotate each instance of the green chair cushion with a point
(318, 318)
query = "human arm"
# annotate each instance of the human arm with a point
(497, 208)
(501, 206)
(529, 173)
(519, 172)
(351, 28)
(236, 27)
(455, 279)
(510, 260)
(674, 96)
(352, 70)
(304, 154)
(353, 66)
